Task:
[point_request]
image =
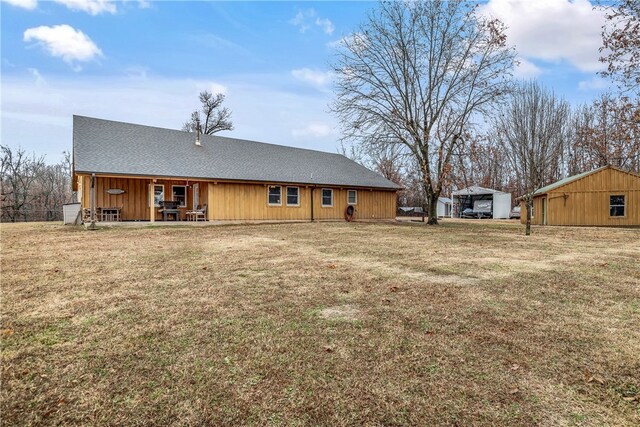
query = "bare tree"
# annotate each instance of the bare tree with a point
(414, 76)
(18, 173)
(621, 44)
(606, 132)
(52, 189)
(213, 117)
(532, 129)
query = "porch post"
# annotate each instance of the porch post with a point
(92, 203)
(152, 203)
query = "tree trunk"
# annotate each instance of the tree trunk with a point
(529, 205)
(433, 208)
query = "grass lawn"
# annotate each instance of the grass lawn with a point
(467, 323)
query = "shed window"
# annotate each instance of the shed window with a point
(179, 194)
(327, 197)
(275, 195)
(158, 195)
(616, 205)
(352, 197)
(293, 196)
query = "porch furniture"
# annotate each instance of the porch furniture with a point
(168, 208)
(86, 215)
(200, 212)
(110, 214)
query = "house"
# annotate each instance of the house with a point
(483, 201)
(135, 169)
(444, 207)
(606, 196)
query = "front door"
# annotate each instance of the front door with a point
(544, 211)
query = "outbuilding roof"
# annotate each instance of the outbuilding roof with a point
(110, 147)
(476, 191)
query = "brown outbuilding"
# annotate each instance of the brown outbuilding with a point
(606, 196)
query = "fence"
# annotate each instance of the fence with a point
(32, 216)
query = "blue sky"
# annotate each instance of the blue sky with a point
(146, 61)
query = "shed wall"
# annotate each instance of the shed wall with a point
(586, 201)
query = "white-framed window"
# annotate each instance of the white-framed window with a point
(274, 195)
(293, 196)
(616, 205)
(179, 194)
(352, 197)
(327, 197)
(158, 195)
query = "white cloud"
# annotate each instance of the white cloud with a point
(218, 88)
(326, 24)
(38, 77)
(24, 4)
(304, 20)
(64, 41)
(552, 30)
(314, 77)
(594, 83)
(300, 20)
(312, 130)
(92, 7)
(526, 69)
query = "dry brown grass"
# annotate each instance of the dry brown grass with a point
(468, 323)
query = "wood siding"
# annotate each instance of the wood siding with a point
(586, 201)
(235, 201)
(238, 201)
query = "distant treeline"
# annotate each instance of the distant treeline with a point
(32, 190)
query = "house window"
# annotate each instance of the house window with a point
(275, 195)
(158, 195)
(327, 197)
(616, 205)
(179, 193)
(352, 197)
(293, 196)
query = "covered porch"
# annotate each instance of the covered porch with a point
(121, 199)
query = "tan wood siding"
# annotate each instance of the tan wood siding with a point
(235, 201)
(231, 201)
(586, 201)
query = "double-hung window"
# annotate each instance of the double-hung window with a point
(327, 197)
(293, 196)
(616, 205)
(352, 197)
(274, 195)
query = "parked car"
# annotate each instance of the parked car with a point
(470, 213)
(515, 213)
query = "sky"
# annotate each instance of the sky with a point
(146, 61)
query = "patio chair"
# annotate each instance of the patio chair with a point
(200, 212)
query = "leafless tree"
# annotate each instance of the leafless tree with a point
(52, 189)
(414, 76)
(18, 173)
(621, 44)
(606, 132)
(213, 117)
(532, 129)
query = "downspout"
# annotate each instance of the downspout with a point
(312, 188)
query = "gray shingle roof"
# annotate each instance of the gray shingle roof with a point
(104, 146)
